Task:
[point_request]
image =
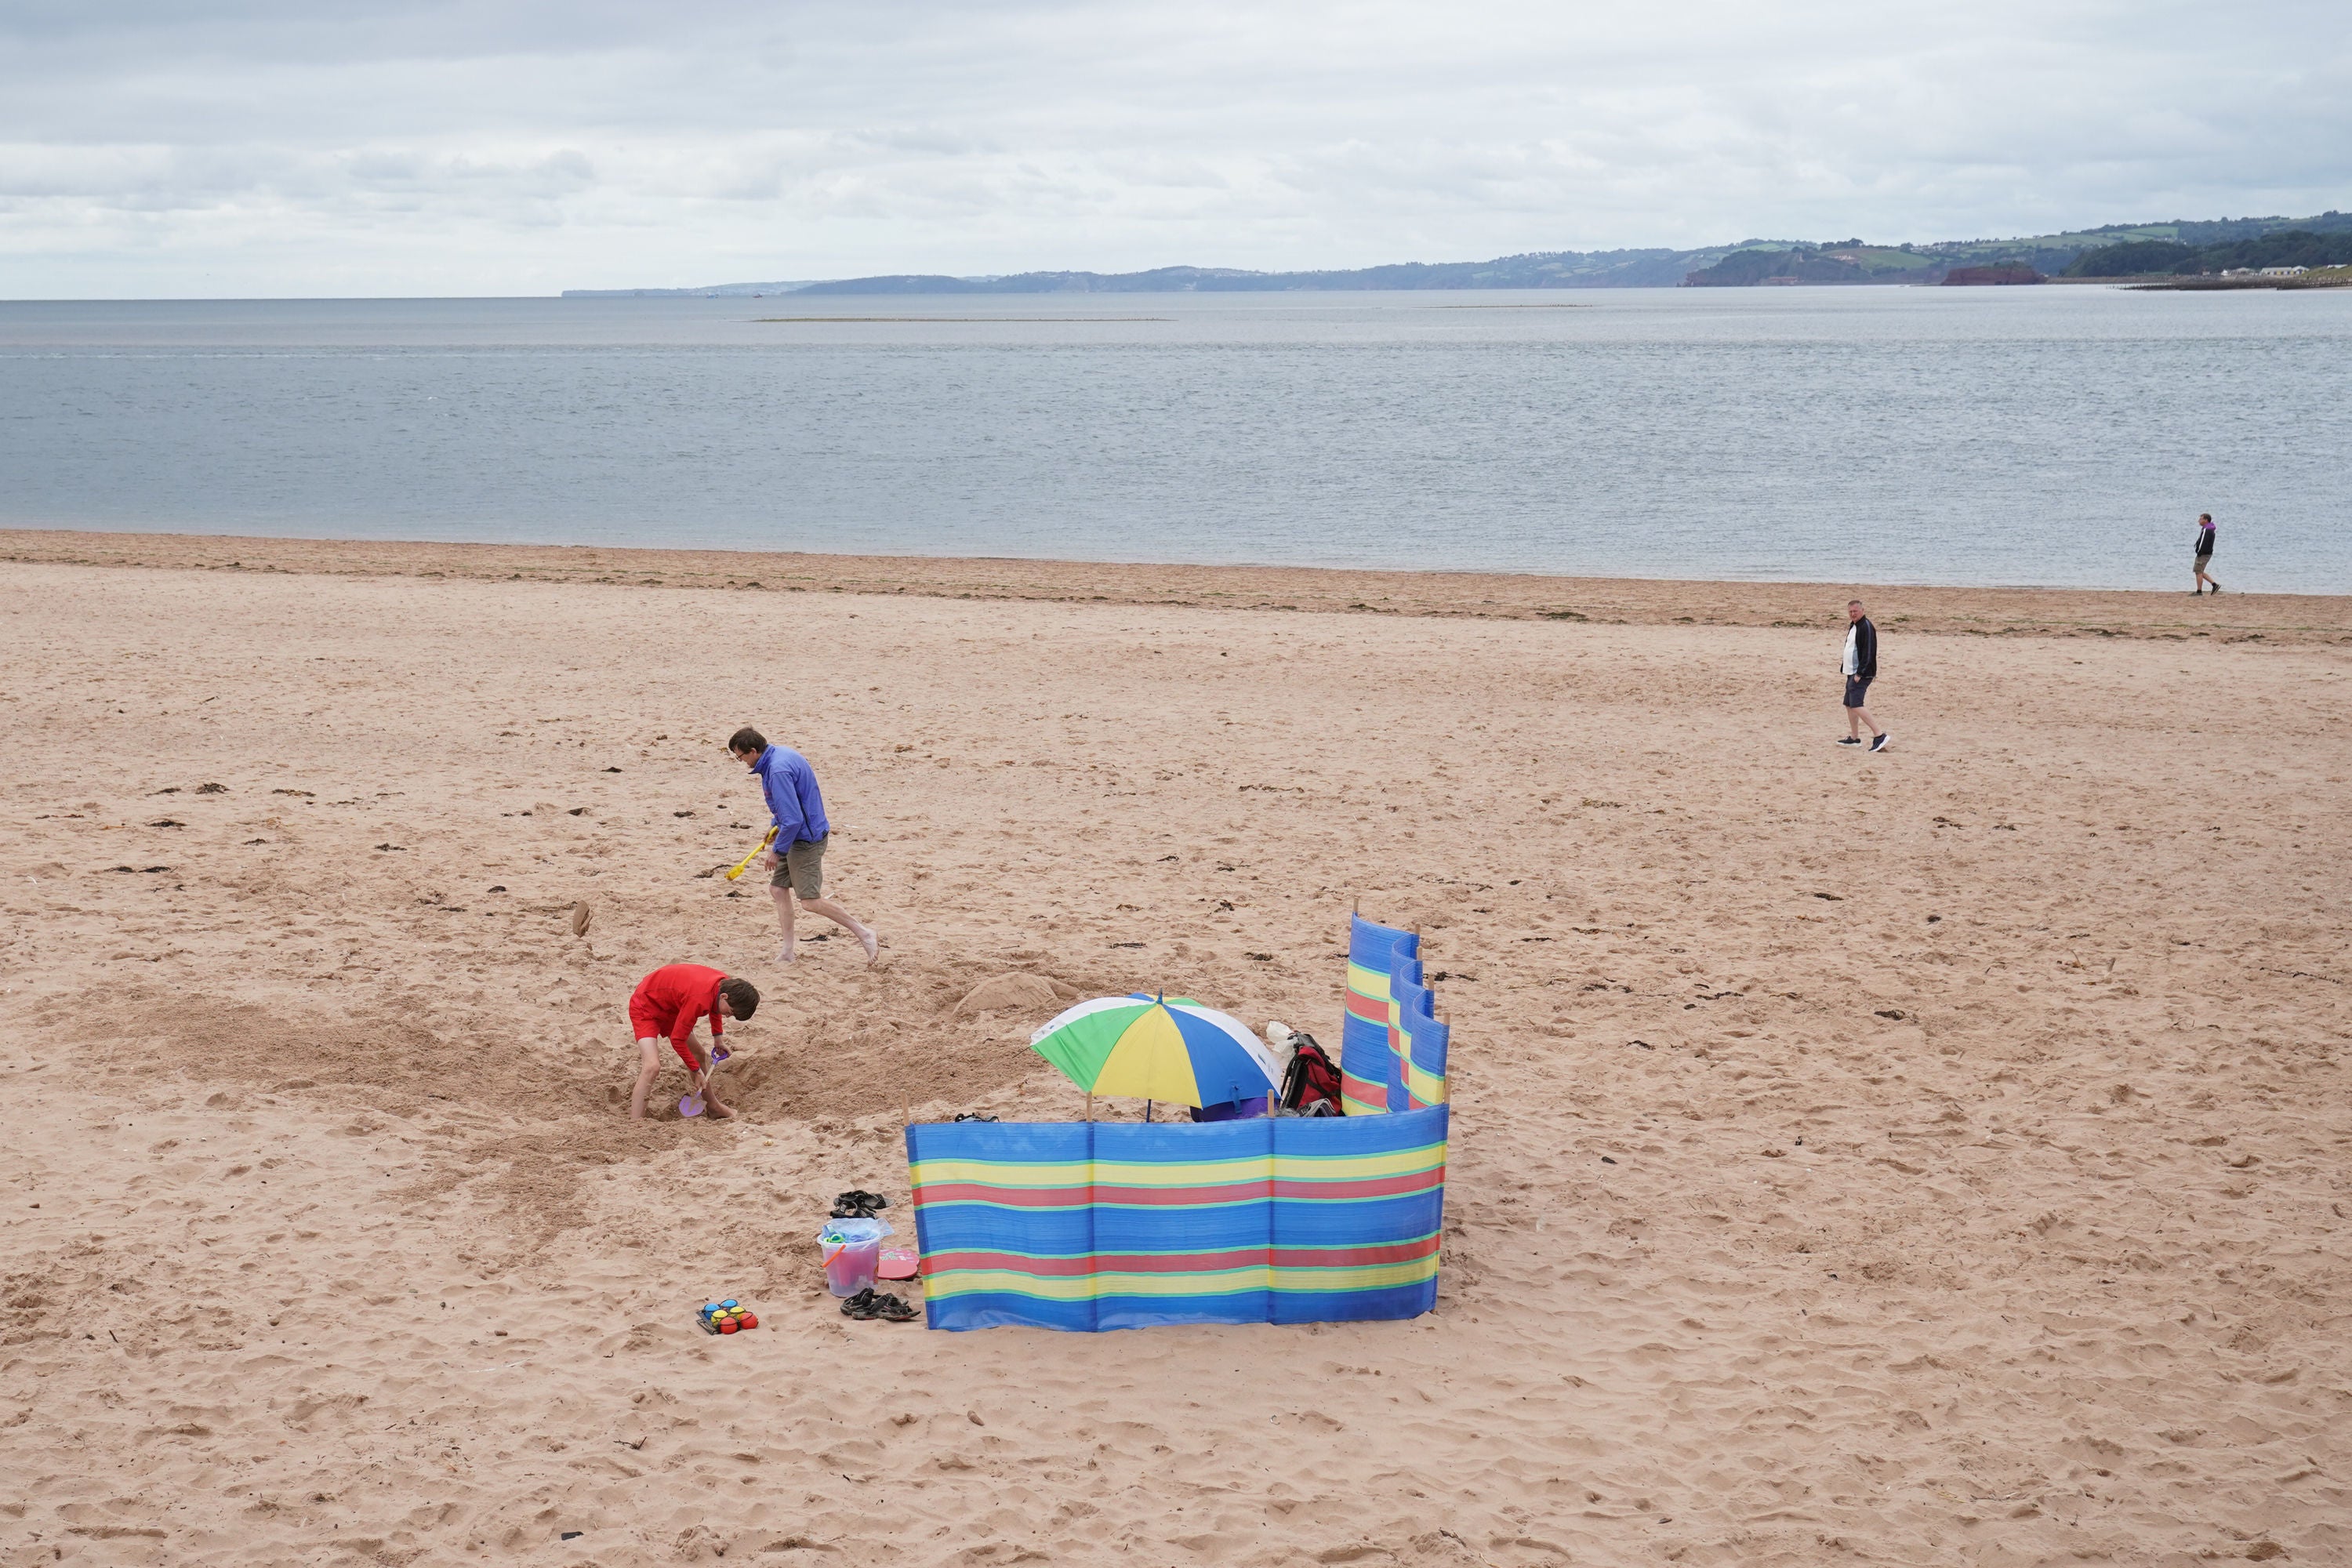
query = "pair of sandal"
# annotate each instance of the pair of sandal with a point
(858, 1204)
(866, 1305)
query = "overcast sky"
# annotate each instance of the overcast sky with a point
(356, 148)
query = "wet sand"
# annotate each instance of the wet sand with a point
(1930, 1157)
(1984, 612)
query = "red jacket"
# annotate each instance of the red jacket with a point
(673, 997)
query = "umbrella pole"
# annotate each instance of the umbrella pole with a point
(1146, 1111)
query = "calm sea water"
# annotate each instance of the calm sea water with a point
(2064, 435)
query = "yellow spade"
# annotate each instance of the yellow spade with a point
(745, 864)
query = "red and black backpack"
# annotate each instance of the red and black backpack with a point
(1311, 1085)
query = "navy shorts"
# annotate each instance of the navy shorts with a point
(1855, 690)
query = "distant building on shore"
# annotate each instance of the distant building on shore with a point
(1965, 276)
(2284, 271)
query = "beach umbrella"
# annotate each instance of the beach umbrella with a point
(1158, 1047)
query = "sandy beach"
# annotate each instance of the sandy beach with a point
(1924, 1158)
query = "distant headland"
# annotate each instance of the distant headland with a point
(2179, 249)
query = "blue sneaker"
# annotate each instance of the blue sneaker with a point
(1880, 743)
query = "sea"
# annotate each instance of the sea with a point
(2059, 435)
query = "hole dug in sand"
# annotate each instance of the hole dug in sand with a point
(823, 1045)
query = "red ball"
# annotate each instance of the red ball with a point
(728, 1326)
(750, 1321)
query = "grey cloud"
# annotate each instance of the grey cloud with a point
(613, 144)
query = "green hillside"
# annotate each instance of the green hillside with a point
(1749, 262)
(2285, 247)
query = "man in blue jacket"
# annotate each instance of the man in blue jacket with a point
(1861, 666)
(796, 859)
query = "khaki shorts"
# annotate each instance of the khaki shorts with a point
(801, 867)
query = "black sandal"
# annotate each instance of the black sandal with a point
(860, 1306)
(891, 1309)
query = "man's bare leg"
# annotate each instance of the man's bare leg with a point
(1861, 716)
(783, 897)
(648, 1069)
(848, 922)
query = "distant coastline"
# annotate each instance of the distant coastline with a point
(2315, 278)
(1745, 263)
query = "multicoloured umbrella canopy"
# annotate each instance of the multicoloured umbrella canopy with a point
(1155, 1048)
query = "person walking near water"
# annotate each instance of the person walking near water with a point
(2204, 551)
(797, 856)
(1861, 668)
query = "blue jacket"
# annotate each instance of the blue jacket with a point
(786, 779)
